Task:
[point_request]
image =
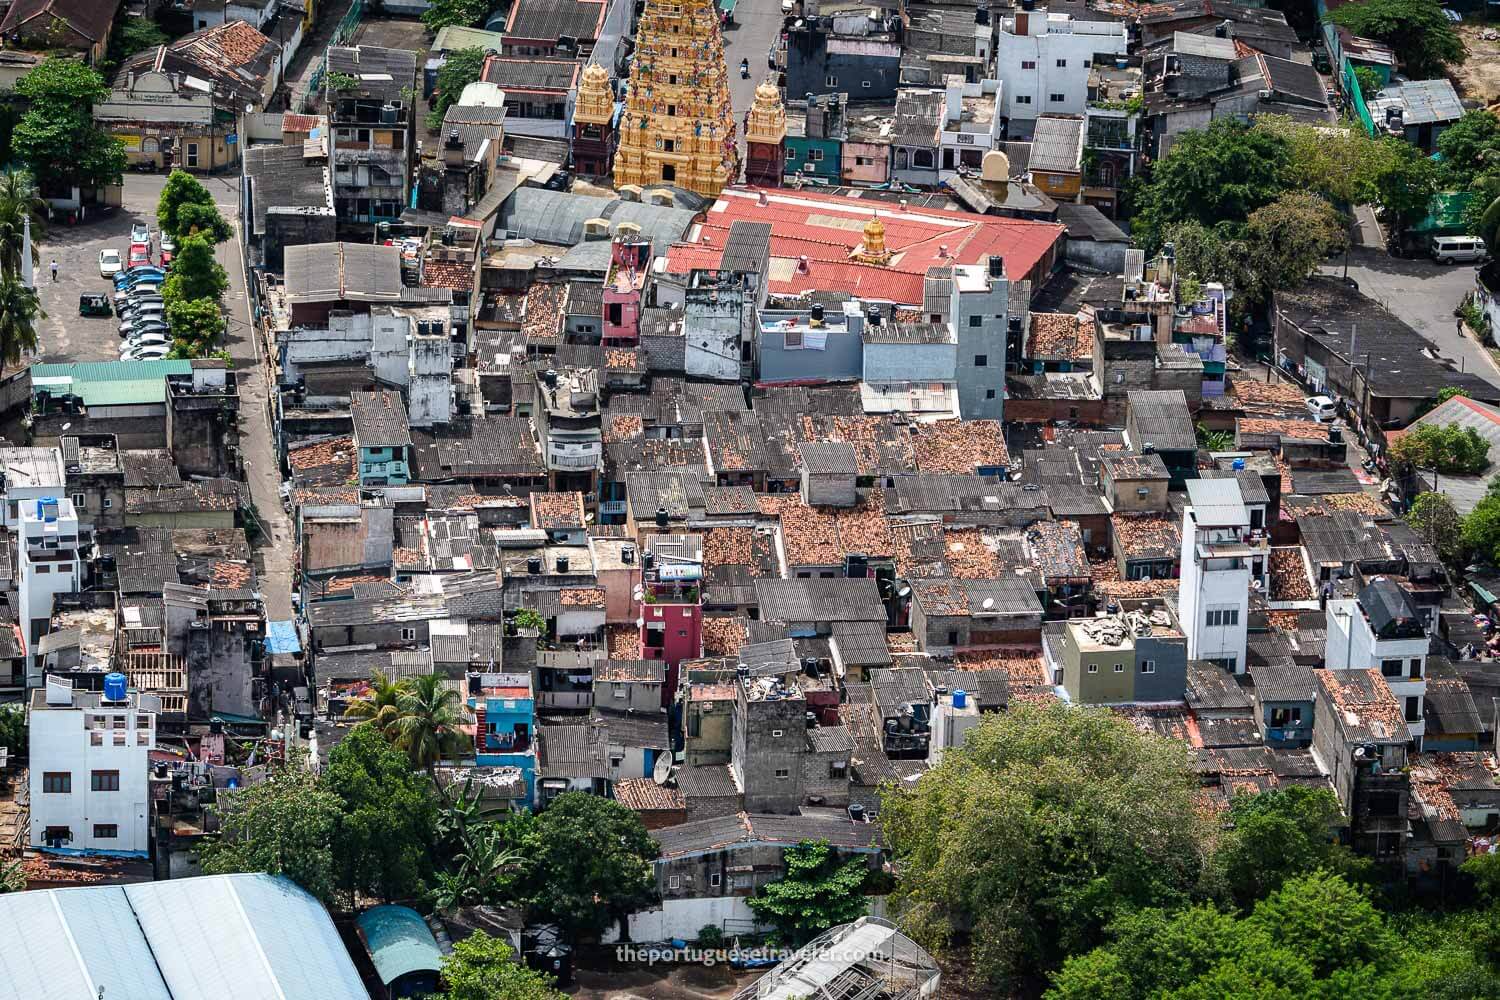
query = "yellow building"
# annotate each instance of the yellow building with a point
(678, 125)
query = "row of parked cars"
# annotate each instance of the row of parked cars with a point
(144, 332)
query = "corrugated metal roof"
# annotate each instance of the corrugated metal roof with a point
(399, 941)
(233, 937)
(1217, 503)
(109, 383)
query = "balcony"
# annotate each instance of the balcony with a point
(586, 461)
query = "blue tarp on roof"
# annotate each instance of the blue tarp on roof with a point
(281, 637)
(399, 942)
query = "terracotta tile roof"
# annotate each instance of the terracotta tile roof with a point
(472, 501)
(723, 636)
(1147, 536)
(1288, 576)
(1025, 666)
(727, 547)
(543, 316)
(1059, 336)
(323, 494)
(1282, 428)
(1267, 398)
(900, 642)
(813, 536)
(342, 583)
(1107, 582)
(229, 575)
(1377, 704)
(447, 274)
(967, 556)
(557, 510)
(623, 642)
(299, 123)
(1057, 548)
(827, 229)
(623, 427)
(624, 359)
(581, 597)
(645, 795)
(329, 461)
(1285, 621)
(958, 447)
(1360, 503)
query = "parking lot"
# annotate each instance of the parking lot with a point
(66, 336)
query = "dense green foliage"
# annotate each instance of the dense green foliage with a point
(1278, 835)
(57, 138)
(19, 200)
(1048, 824)
(19, 310)
(464, 13)
(1368, 80)
(1435, 521)
(590, 864)
(196, 324)
(818, 892)
(1450, 449)
(460, 69)
(195, 273)
(386, 821)
(186, 208)
(1424, 40)
(13, 730)
(484, 968)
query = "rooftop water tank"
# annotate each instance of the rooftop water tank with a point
(114, 686)
(1238, 465)
(960, 698)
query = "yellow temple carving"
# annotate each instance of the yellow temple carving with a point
(873, 249)
(678, 123)
(596, 106)
(767, 121)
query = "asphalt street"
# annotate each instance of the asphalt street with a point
(757, 25)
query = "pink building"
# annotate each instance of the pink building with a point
(671, 603)
(625, 290)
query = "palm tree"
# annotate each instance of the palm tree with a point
(378, 708)
(428, 716)
(19, 197)
(483, 863)
(18, 315)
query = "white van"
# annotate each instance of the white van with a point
(1458, 249)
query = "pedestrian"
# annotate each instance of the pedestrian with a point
(54, 269)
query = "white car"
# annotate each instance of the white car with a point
(109, 263)
(155, 352)
(168, 245)
(1322, 409)
(140, 233)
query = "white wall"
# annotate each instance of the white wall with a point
(684, 918)
(1351, 645)
(60, 742)
(1045, 41)
(1204, 589)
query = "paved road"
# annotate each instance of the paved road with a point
(757, 25)
(1423, 294)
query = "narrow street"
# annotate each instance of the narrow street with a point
(757, 24)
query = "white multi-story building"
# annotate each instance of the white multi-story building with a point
(1381, 630)
(48, 563)
(971, 124)
(1044, 60)
(1223, 558)
(28, 474)
(89, 766)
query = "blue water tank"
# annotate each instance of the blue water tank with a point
(114, 686)
(1238, 465)
(960, 698)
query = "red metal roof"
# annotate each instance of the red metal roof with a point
(827, 229)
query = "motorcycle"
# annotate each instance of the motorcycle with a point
(744, 69)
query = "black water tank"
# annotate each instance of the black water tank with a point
(661, 517)
(562, 564)
(534, 566)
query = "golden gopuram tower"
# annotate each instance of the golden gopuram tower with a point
(678, 124)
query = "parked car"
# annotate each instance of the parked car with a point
(140, 233)
(152, 311)
(1458, 249)
(1322, 408)
(109, 263)
(166, 259)
(139, 272)
(128, 330)
(167, 244)
(149, 338)
(152, 352)
(139, 256)
(94, 305)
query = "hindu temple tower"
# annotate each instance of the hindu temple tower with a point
(765, 137)
(678, 123)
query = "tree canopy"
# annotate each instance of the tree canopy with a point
(1435, 521)
(1450, 449)
(464, 13)
(1280, 834)
(1047, 824)
(1424, 40)
(590, 863)
(482, 967)
(186, 208)
(460, 68)
(57, 137)
(1469, 147)
(819, 891)
(196, 324)
(195, 273)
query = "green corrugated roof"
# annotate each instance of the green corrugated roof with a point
(110, 383)
(399, 941)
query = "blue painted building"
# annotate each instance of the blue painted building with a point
(1284, 703)
(505, 723)
(382, 437)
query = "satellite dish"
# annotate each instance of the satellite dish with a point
(663, 769)
(904, 591)
(989, 602)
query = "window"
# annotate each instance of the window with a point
(922, 158)
(409, 635)
(715, 880)
(816, 155)
(1148, 666)
(837, 769)
(1286, 717)
(791, 154)
(192, 153)
(981, 360)
(57, 781)
(621, 691)
(43, 568)
(106, 831)
(1222, 617)
(782, 772)
(776, 733)
(1023, 98)
(1414, 708)
(1028, 64)
(1093, 668)
(616, 759)
(1227, 662)
(976, 321)
(865, 84)
(673, 882)
(1390, 668)
(1119, 668)
(953, 638)
(1416, 667)
(105, 781)
(989, 394)
(1057, 98)
(58, 834)
(1062, 64)
(77, 499)
(672, 110)
(108, 503)
(831, 80)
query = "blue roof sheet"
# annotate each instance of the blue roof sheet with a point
(281, 637)
(399, 942)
